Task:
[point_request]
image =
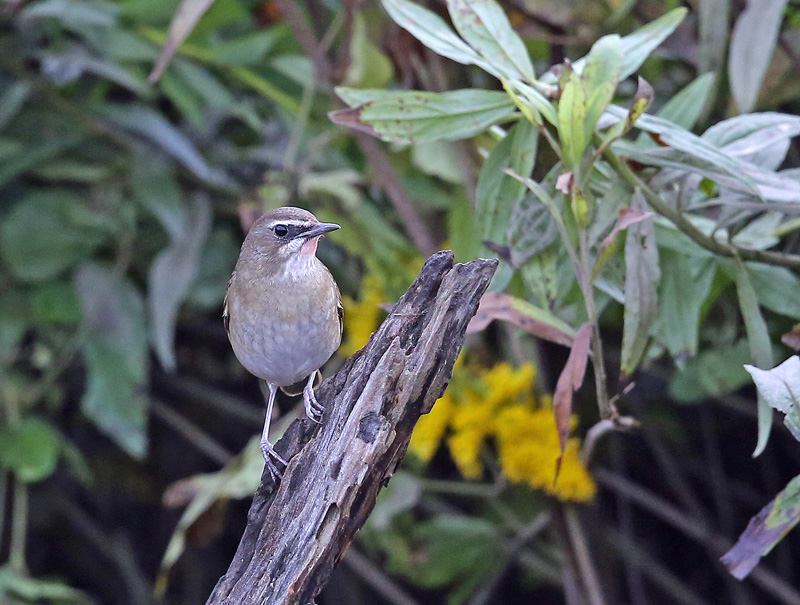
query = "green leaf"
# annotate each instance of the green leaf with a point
(599, 78)
(171, 275)
(35, 156)
(764, 531)
(780, 388)
(12, 100)
(146, 122)
(74, 13)
(572, 118)
(485, 27)
(216, 265)
(155, 187)
(30, 449)
(369, 67)
(412, 116)
(760, 138)
(681, 295)
(757, 27)
(532, 102)
(55, 302)
(115, 354)
(686, 106)
(776, 288)
(641, 280)
(430, 29)
(713, 373)
(531, 229)
(454, 550)
(248, 49)
(37, 591)
(496, 192)
(760, 346)
(636, 47)
(41, 236)
(712, 43)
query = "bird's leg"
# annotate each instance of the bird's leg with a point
(270, 455)
(313, 407)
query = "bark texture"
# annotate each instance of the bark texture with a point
(297, 533)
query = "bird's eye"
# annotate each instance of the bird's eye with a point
(281, 230)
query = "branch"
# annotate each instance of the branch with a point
(296, 535)
(779, 259)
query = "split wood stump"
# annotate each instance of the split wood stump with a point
(297, 533)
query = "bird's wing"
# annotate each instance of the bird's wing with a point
(226, 318)
(340, 312)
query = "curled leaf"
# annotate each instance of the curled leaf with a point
(569, 381)
(532, 319)
(764, 531)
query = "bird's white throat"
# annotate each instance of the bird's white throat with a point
(299, 266)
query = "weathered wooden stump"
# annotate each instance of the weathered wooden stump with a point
(296, 535)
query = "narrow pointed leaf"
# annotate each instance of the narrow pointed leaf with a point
(641, 280)
(497, 192)
(412, 116)
(760, 346)
(569, 381)
(485, 27)
(534, 320)
(756, 28)
(764, 531)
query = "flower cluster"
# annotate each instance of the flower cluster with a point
(497, 405)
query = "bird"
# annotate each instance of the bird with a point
(283, 311)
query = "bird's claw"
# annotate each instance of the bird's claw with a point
(314, 408)
(270, 459)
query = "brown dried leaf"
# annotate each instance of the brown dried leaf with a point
(536, 321)
(569, 381)
(351, 118)
(792, 339)
(764, 531)
(182, 24)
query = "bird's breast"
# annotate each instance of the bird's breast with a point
(284, 329)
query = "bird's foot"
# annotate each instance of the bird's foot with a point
(313, 407)
(272, 459)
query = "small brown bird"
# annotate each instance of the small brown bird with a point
(283, 311)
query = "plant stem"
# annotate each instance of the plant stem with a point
(607, 409)
(19, 529)
(779, 259)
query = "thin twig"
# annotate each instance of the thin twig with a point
(386, 177)
(531, 530)
(374, 577)
(644, 562)
(193, 434)
(19, 529)
(115, 549)
(580, 547)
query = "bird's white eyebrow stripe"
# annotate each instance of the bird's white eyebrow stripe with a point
(291, 221)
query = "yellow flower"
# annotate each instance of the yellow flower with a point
(465, 449)
(430, 429)
(505, 384)
(362, 318)
(529, 449)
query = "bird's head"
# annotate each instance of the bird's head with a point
(287, 232)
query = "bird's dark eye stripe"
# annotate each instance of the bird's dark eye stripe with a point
(289, 231)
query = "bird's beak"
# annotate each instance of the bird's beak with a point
(320, 229)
